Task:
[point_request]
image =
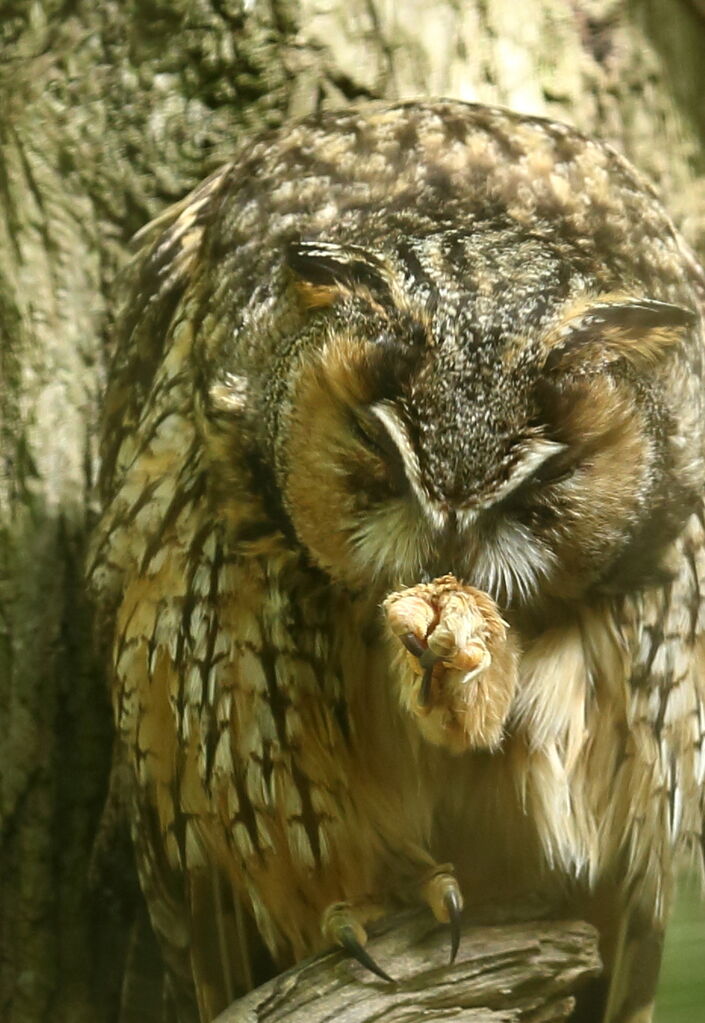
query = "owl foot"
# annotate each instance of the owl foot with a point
(342, 922)
(441, 893)
(341, 926)
(463, 662)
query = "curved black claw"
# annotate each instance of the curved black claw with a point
(413, 644)
(425, 691)
(346, 937)
(451, 900)
(427, 660)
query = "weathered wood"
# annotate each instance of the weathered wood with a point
(510, 973)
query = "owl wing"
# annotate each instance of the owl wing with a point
(654, 774)
(191, 909)
(149, 291)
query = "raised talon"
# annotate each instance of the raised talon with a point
(413, 644)
(428, 660)
(341, 926)
(458, 672)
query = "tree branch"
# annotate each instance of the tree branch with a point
(509, 973)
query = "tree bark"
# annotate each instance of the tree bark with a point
(515, 973)
(108, 112)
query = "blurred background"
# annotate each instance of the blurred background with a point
(682, 994)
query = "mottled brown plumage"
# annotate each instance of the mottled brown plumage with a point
(401, 563)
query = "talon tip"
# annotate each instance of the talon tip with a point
(451, 901)
(350, 943)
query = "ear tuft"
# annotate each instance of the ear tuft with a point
(324, 272)
(638, 330)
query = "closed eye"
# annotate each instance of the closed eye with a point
(548, 474)
(374, 437)
(555, 470)
(535, 461)
(371, 433)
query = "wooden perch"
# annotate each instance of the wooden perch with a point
(510, 973)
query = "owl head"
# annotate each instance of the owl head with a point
(490, 404)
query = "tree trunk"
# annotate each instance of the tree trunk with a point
(108, 112)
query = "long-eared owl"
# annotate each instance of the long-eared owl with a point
(401, 563)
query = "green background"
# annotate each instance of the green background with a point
(682, 993)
